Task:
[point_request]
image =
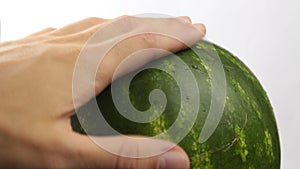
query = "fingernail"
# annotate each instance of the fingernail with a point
(173, 160)
(201, 28)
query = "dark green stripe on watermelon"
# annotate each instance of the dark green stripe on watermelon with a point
(247, 135)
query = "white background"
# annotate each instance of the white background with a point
(263, 33)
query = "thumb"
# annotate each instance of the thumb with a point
(133, 152)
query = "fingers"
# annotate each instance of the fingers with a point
(79, 26)
(151, 37)
(121, 152)
(126, 44)
(199, 26)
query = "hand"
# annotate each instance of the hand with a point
(36, 100)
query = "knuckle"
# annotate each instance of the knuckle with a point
(182, 45)
(125, 17)
(126, 159)
(94, 19)
(131, 157)
(126, 163)
(136, 163)
(148, 39)
(126, 21)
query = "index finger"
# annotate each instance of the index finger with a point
(118, 40)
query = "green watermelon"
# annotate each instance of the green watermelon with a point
(226, 114)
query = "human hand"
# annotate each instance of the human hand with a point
(36, 94)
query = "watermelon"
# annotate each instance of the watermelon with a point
(222, 115)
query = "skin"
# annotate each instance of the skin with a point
(36, 96)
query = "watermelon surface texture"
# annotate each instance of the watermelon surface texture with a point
(246, 134)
